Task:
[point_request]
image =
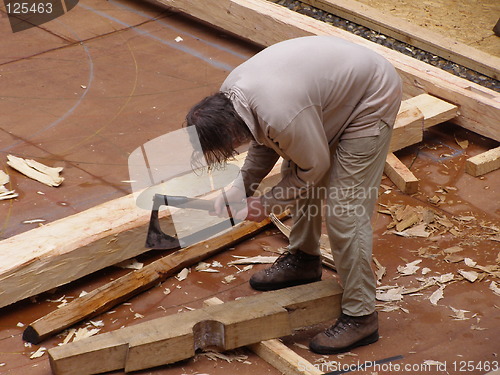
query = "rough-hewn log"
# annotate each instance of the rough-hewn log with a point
(177, 337)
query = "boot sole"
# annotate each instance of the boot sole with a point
(365, 341)
(276, 286)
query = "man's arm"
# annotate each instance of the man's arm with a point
(258, 163)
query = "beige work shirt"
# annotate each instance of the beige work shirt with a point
(300, 96)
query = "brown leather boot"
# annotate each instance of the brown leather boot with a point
(288, 270)
(347, 333)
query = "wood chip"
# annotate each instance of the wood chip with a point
(227, 356)
(84, 332)
(469, 262)
(381, 270)
(229, 278)
(132, 264)
(41, 351)
(453, 250)
(390, 295)
(4, 178)
(410, 268)
(494, 287)
(255, 260)
(183, 274)
(437, 295)
(37, 171)
(459, 314)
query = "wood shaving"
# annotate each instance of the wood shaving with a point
(469, 262)
(202, 266)
(453, 250)
(34, 221)
(37, 171)
(69, 336)
(41, 351)
(183, 274)
(255, 260)
(469, 275)
(227, 356)
(494, 287)
(381, 270)
(228, 279)
(437, 295)
(390, 295)
(459, 314)
(84, 332)
(410, 268)
(132, 264)
(166, 291)
(4, 192)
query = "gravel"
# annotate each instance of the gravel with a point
(392, 43)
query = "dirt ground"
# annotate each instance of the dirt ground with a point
(85, 90)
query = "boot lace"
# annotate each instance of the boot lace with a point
(343, 323)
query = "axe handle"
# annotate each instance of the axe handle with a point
(184, 202)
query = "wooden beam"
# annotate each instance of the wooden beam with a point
(400, 175)
(408, 129)
(266, 23)
(414, 35)
(176, 337)
(278, 354)
(122, 288)
(70, 248)
(435, 110)
(483, 163)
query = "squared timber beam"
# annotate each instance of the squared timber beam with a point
(176, 337)
(483, 163)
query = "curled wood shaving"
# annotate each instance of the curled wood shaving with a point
(37, 171)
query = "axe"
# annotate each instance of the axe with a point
(159, 240)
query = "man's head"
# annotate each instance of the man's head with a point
(220, 129)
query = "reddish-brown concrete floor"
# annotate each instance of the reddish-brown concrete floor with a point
(139, 84)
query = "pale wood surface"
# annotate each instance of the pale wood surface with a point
(266, 23)
(278, 354)
(400, 175)
(415, 35)
(149, 344)
(483, 163)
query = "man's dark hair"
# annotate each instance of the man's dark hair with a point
(220, 129)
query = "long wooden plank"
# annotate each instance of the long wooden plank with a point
(266, 23)
(173, 338)
(122, 288)
(414, 35)
(70, 248)
(277, 354)
(483, 163)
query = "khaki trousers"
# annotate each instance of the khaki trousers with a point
(350, 191)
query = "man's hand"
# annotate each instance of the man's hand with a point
(234, 197)
(254, 211)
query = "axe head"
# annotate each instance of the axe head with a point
(157, 239)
